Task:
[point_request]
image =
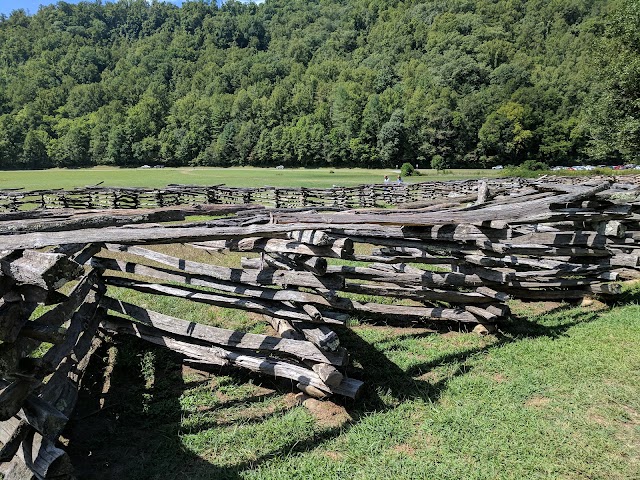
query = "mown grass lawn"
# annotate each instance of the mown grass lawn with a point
(235, 177)
(554, 395)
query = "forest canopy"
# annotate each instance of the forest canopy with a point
(344, 83)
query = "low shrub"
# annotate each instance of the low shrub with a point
(438, 163)
(407, 170)
(528, 168)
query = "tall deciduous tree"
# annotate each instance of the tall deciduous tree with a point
(615, 118)
(311, 83)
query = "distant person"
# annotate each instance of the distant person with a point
(399, 179)
(386, 179)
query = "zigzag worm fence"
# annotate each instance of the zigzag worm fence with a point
(307, 271)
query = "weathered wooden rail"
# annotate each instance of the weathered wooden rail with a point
(307, 271)
(360, 196)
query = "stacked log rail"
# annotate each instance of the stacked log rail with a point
(308, 272)
(520, 258)
(305, 359)
(37, 395)
(360, 196)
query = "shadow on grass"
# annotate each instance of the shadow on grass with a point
(137, 432)
(553, 324)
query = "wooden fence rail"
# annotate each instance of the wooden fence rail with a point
(308, 272)
(360, 196)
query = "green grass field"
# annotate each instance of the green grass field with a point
(555, 394)
(235, 177)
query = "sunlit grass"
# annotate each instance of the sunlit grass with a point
(234, 177)
(556, 395)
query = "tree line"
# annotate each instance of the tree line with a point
(344, 83)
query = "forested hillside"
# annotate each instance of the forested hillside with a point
(368, 83)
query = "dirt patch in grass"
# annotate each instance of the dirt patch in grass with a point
(537, 308)
(326, 413)
(292, 400)
(634, 415)
(333, 455)
(193, 375)
(432, 376)
(624, 423)
(599, 419)
(537, 401)
(629, 435)
(499, 378)
(405, 449)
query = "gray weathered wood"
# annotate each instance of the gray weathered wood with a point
(311, 237)
(263, 277)
(427, 279)
(339, 248)
(219, 356)
(83, 323)
(45, 270)
(206, 281)
(223, 337)
(283, 328)
(483, 192)
(321, 336)
(328, 374)
(274, 309)
(13, 395)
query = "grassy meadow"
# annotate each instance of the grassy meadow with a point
(555, 394)
(234, 177)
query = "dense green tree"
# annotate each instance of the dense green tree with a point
(438, 163)
(505, 135)
(34, 153)
(614, 119)
(311, 83)
(391, 140)
(71, 148)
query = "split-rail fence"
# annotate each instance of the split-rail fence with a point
(457, 256)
